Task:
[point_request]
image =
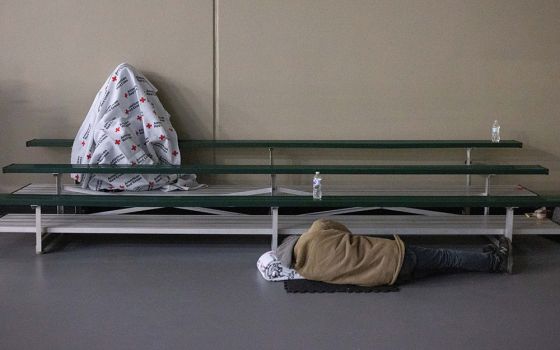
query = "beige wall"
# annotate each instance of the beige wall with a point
(293, 69)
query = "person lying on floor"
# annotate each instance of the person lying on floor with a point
(329, 252)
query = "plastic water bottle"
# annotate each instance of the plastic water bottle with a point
(317, 191)
(496, 132)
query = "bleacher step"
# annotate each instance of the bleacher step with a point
(261, 224)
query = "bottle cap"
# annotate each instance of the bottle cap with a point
(316, 173)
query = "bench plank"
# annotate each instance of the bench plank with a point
(279, 201)
(366, 144)
(481, 169)
(260, 224)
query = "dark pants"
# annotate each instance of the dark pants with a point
(421, 262)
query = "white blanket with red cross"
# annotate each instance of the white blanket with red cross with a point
(127, 124)
(271, 268)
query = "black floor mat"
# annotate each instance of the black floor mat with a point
(307, 286)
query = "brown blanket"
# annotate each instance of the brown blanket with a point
(329, 252)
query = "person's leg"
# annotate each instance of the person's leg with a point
(406, 274)
(448, 260)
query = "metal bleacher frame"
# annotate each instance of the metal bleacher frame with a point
(351, 200)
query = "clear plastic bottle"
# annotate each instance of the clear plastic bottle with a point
(496, 132)
(317, 190)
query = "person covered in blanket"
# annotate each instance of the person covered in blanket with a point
(127, 125)
(329, 252)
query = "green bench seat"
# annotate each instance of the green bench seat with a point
(382, 144)
(278, 201)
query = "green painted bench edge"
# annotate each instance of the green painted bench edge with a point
(365, 144)
(277, 201)
(481, 169)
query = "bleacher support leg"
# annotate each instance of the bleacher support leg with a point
(38, 231)
(58, 177)
(274, 244)
(508, 233)
(467, 210)
(487, 193)
(273, 187)
(468, 162)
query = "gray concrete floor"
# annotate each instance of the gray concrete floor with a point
(148, 292)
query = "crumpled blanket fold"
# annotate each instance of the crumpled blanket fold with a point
(127, 124)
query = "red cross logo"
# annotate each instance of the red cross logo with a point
(133, 147)
(83, 143)
(133, 163)
(77, 177)
(149, 126)
(142, 99)
(117, 142)
(161, 137)
(114, 78)
(125, 95)
(89, 156)
(126, 111)
(139, 117)
(117, 129)
(175, 153)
